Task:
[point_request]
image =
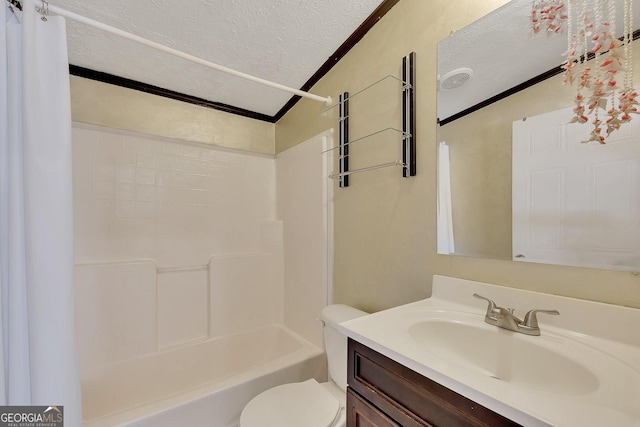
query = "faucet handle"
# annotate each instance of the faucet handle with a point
(492, 305)
(531, 318)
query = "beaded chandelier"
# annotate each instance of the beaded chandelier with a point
(598, 62)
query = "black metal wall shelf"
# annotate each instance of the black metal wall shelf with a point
(406, 86)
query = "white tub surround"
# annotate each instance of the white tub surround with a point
(304, 205)
(179, 281)
(584, 368)
(174, 243)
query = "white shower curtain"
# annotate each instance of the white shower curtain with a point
(445, 214)
(38, 347)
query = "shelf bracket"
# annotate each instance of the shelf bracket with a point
(343, 155)
(409, 115)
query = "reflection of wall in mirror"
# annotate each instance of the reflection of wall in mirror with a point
(480, 155)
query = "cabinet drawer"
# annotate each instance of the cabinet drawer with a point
(361, 414)
(405, 395)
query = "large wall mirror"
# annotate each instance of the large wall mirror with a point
(515, 182)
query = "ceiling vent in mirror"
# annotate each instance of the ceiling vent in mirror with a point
(456, 78)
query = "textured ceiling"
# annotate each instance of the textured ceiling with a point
(503, 52)
(285, 41)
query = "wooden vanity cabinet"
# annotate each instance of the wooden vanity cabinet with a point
(384, 393)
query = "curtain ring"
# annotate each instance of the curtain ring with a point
(44, 10)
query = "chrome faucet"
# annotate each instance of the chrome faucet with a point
(504, 318)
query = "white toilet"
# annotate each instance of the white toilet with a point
(309, 403)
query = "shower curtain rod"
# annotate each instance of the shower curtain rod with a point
(47, 8)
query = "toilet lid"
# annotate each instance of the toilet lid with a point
(292, 405)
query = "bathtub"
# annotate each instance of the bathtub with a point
(202, 384)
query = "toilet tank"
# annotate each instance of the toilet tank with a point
(335, 342)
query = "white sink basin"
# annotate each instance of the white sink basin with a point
(522, 360)
(583, 370)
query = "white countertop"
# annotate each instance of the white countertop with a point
(602, 338)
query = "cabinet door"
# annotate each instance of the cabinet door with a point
(411, 399)
(361, 414)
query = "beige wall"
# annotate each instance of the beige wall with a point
(115, 107)
(385, 226)
(480, 158)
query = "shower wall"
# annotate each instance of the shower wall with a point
(174, 242)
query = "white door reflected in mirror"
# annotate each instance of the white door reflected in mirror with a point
(574, 203)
